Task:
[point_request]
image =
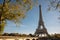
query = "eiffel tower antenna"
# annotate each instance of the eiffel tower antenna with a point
(41, 30)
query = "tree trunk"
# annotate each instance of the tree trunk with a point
(1, 29)
(1, 20)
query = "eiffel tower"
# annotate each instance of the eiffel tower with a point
(41, 31)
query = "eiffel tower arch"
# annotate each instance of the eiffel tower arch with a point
(41, 31)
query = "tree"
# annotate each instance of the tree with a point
(14, 10)
(54, 5)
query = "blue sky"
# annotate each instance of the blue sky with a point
(30, 23)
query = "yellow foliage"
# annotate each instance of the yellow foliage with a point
(30, 7)
(2, 17)
(6, 5)
(13, 11)
(17, 7)
(22, 16)
(13, 7)
(24, 1)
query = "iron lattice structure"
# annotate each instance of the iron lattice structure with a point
(41, 30)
